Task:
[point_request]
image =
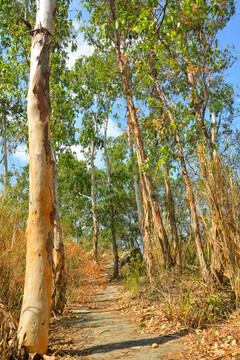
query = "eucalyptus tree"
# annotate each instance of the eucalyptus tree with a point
(63, 112)
(35, 314)
(122, 195)
(111, 208)
(113, 28)
(197, 53)
(92, 87)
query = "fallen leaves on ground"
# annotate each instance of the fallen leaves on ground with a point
(217, 341)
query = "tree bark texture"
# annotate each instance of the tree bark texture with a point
(59, 282)
(36, 307)
(125, 71)
(93, 195)
(111, 209)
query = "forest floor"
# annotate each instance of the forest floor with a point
(104, 332)
(106, 329)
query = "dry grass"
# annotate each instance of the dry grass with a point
(219, 196)
(182, 301)
(12, 255)
(12, 269)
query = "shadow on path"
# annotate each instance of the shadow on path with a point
(98, 349)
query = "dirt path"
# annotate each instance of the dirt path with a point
(104, 333)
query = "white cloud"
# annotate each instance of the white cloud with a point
(82, 49)
(113, 129)
(21, 153)
(77, 149)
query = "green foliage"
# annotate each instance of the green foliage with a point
(134, 274)
(74, 188)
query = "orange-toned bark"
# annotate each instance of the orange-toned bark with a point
(35, 314)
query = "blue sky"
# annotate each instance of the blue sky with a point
(230, 35)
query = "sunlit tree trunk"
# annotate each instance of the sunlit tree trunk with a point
(4, 151)
(93, 195)
(190, 194)
(59, 281)
(144, 211)
(125, 71)
(36, 307)
(26, 4)
(137, 187)
(111, 209)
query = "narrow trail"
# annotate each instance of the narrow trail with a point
(104, 333)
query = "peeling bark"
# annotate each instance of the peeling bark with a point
(35, 314)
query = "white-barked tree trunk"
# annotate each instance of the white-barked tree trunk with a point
(35, 314)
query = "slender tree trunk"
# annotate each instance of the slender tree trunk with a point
(59, 283)
(26, 4)
(4, 151)
(144, 211)
(111, 209)
(192, 203)
(217, 267)
(93, 195)
(136, 186)
(35, 314)
(125, 71)
(190, 195)
(173, 223)
(147, 249)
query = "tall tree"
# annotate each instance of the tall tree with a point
(124, 67)
(35, 314)
(111, 208)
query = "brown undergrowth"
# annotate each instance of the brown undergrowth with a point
(12, 269)
(85, 277)
(12, 255)
(183, 302)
